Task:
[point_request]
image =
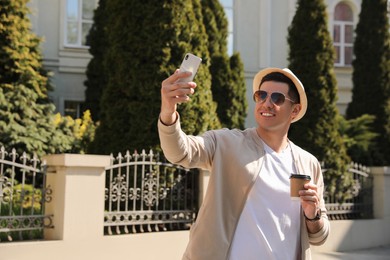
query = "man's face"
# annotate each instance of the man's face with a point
(273, 117)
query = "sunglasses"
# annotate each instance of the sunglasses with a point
(277, 98)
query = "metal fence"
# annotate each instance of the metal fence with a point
(360, 206)
(23, 194)
(145, 194)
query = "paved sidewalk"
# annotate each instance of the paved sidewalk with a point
(378, 253)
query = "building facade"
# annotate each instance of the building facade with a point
(257, 30)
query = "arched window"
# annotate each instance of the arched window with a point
(343, 34)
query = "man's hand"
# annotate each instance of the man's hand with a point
(172, 93)
(309, 200)
(311, 205)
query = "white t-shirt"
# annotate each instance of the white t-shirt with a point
(269, 226)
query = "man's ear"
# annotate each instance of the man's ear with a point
(296, 109)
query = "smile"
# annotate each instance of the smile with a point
(267, 114)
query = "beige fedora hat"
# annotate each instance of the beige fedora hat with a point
(298, 84)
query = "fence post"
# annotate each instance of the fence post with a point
(381, 191)
(75, 180)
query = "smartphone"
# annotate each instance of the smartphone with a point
(191, 63)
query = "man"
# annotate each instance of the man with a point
(247, 212)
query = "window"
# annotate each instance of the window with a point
(343, 30)
(79, 20)
(228, 6)
(388, 6)
(73, 109)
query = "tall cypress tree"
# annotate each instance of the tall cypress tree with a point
(146, 41)
(311, 58)
(371, 76)
(237, 104)
(96, 75)
(228, 83)
(26, 114)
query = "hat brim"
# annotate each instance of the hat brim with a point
(288, 73)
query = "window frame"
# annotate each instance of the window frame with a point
(342, 44)
(79, 107)
(80, 21)
(230, 36)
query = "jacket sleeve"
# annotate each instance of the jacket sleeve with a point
(320, 237)
(186, 150)
(307, 163)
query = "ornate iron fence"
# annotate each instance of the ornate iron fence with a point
(144, 194)
(23, 194)
(360, 206)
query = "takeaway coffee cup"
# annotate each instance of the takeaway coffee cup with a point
(296, 184)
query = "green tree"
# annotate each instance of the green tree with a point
(96, 75)
(228, 83)
(311, 57)
(27, 120)
(237, 104)
(358, 136)
(146, 41)
(371, 76)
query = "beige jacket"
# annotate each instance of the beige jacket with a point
(234, 159)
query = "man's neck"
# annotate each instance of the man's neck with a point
(277, 141)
